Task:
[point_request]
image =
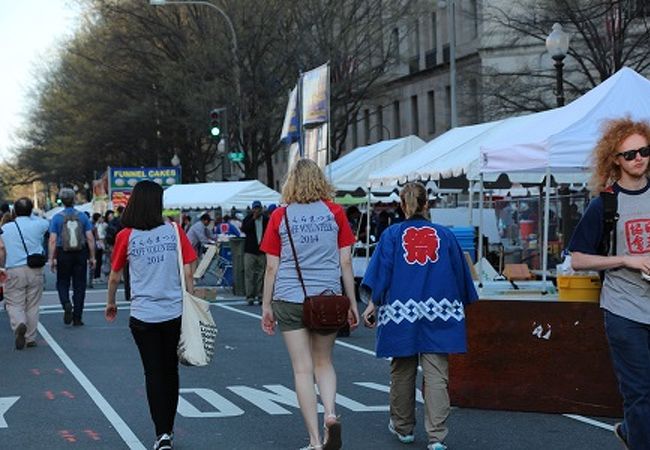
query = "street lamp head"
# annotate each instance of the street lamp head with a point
(157, 2)
(557, 43)
(176, 161)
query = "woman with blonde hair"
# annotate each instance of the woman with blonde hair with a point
(323, 239)
(420, 285)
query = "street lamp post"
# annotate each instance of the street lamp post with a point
(235, 51)
(557, 44)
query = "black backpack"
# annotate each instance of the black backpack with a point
(73, 236)
(610, 218)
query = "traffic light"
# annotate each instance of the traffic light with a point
(217, 119)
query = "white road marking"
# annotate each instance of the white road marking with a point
(579, 418)
(5, 404)
(120, 426)
(588, 421)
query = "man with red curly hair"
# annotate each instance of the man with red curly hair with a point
(621, 166)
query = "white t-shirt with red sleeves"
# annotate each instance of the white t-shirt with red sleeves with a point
(156, 294)
(319, 230)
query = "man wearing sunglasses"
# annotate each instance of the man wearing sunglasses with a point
(621, 160)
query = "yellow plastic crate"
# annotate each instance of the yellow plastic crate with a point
(578, 288)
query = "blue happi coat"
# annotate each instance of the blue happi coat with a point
(420, 284)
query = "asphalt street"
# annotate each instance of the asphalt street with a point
(83, 388)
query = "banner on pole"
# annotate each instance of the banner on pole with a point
(291, 126)
(315, 96)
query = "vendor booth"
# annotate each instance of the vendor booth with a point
(225, 195)
(225, 257)
(546, 353)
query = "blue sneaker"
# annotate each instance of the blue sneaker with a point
(436, 446)
(403, 438)
(620, 433)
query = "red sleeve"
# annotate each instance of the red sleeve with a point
(271, 242)
(346, 236)
(120, 249)
(189, 255)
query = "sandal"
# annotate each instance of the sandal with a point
(312, 447)
(332, 433)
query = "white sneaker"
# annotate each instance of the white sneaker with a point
(163, 442)
(403, 438)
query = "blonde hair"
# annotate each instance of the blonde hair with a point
(414, 200)
(306, 183)
(605, 169)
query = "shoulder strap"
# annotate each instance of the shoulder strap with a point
(293, 250)
(610, 218)
(21, 236)
(179, 252)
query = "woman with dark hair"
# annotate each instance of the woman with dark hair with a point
(420, 285)
(150, 246)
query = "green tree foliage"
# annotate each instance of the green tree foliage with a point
(135, 84)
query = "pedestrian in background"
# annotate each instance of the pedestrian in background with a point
(254, 226)
(200, 233)
(157, 298)
(71, 250)
(420, 285)
(323, 241)
(23, 284)
(99, 227)
(621, 167)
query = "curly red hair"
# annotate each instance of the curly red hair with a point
(615, 131)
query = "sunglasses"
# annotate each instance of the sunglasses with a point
(630, 155)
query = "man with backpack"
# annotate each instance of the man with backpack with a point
(71, 249)
(613, 236)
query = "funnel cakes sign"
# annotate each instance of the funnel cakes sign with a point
(122, 179)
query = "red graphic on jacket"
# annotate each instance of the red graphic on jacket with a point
(420, 245)
(637, 236)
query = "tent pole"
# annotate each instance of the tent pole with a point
(547, 207)
(480, 233)
(469, 200)
(368, 230)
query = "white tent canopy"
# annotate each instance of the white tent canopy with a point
(427, 161)
(86, 207)
(350, 172)
(562, 139)
(227, 194)
(457, 152)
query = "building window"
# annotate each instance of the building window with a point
(355, 134)
(394, 43)
(397, 128)
(415, 38)
(366, 125)
(448, 95)
(415, 116)
(431, 111)
(380, 124)
(434, 31)
(474, 17)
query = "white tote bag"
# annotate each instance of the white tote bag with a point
(198, 330)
